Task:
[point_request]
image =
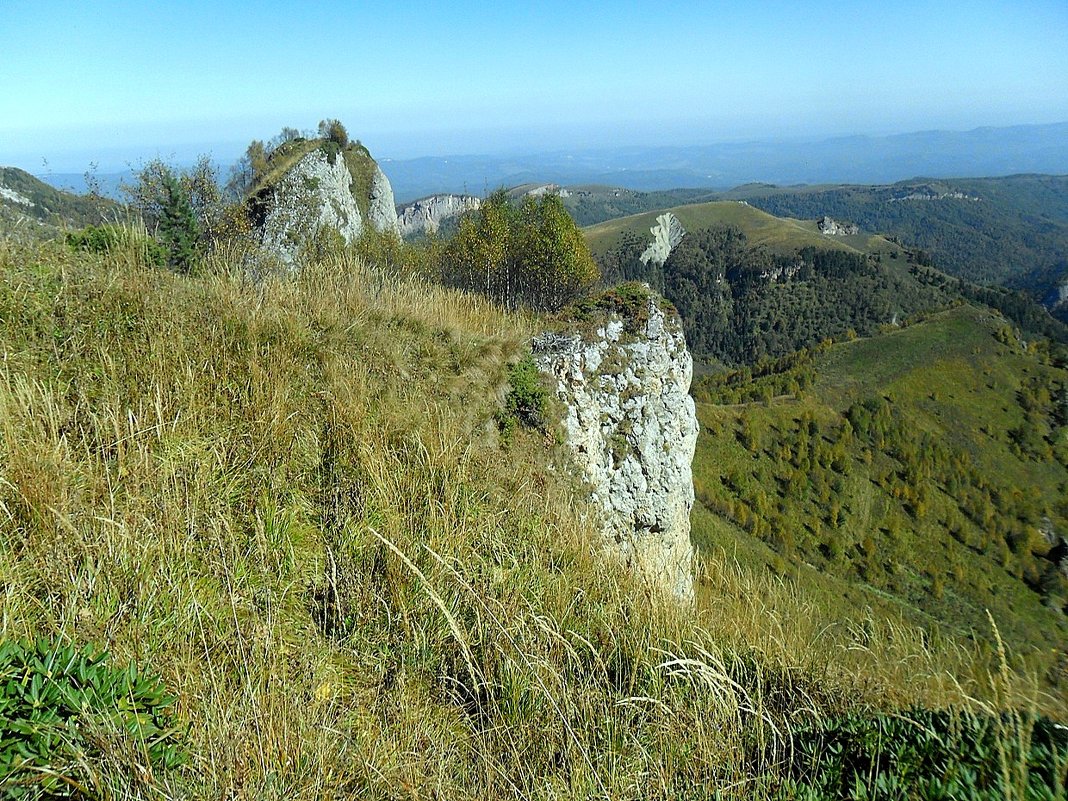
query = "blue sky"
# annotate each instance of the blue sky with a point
(113, 82)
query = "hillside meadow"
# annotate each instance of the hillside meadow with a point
(288, 499)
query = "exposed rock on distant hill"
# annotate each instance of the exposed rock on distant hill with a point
(545, 189)
(425, 216)
(667, 233)
(313, 188)
(1057, 299)
(829, 227)
(631, 429)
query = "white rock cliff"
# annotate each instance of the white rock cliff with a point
(631, 429)
(316, 196)
(382, 212)
(425, 216)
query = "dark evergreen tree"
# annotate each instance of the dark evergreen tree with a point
(177, 227)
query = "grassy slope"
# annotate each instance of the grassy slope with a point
(288, 498)
(778, 234)
(951, 377)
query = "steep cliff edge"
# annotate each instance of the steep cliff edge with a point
(314, 188)
(425, 216)
(631, 427)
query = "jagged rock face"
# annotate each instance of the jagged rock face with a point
(631, 429)
(382, 212)
(314, 197)
(667, 233)
(831, 227)
(311, 198)
(426, 216)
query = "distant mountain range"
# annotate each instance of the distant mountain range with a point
(852, 159)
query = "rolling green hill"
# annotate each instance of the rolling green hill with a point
(1011, 231)
(742, 299)
(924, 469)
(780, 235)
(32, 207)
(777, 284)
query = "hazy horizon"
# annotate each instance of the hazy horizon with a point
(116, 82)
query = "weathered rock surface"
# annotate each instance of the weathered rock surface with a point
(317, 196)
(830, 227)
(426, 216)
(667, 233)
(547, 189)
(631, 429)
(382, 210)
(1057, 297)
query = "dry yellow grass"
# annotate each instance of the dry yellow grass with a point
(287, 497)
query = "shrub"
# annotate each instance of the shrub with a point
(95, 239)
(932, 754)
(105, 239)
(58, 705)
(334, 131)
(527, 400)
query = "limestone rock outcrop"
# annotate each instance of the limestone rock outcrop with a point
(831, 227)
(1057, 297)
(324, 191)
(425, 216)
(382, 211)
(667, 233)
(631, 430)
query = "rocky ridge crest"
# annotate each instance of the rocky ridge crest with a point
(832, 227)
(425, 216)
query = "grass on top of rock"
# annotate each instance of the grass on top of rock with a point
(627, 302)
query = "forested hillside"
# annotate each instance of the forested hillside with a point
(926, 468)
(1011, 231)
(31, 208)
(742, 304)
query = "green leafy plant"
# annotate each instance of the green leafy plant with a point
(60, 707)
(95, 238)
(932, 754)
(527, 400)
